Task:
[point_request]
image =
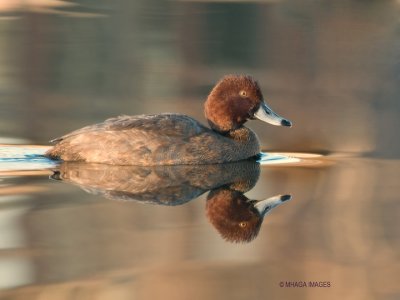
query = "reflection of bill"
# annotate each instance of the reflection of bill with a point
(237, 218)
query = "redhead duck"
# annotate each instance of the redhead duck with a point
(175, 139)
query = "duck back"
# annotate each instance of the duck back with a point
(166, 139)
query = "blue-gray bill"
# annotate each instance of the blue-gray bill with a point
(266, 114)
(265, 206)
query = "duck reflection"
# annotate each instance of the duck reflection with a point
(237, 218)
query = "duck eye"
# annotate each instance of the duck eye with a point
(243, 93)
(242, 224)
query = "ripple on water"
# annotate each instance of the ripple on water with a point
(30, 157)
(24, 157)
(293, 159)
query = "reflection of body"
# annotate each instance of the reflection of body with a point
(236, 217)
(165, 185)
(171, 139)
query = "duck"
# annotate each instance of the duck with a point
(177, 139)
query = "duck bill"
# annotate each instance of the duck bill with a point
(265, 206)
(266, 114)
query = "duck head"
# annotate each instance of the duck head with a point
(237, 218)
(236, 99)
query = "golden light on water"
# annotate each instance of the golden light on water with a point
(295, 159)
(339, 162)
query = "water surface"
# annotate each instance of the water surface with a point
(80, 232)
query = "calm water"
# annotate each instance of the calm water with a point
(73, 231)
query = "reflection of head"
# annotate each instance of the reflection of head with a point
(233, 215)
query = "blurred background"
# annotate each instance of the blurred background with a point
(331, 67)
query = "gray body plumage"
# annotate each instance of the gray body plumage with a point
(165, 139)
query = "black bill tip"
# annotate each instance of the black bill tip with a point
(286, 123)
(286, 197)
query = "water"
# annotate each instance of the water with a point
(70, 231)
